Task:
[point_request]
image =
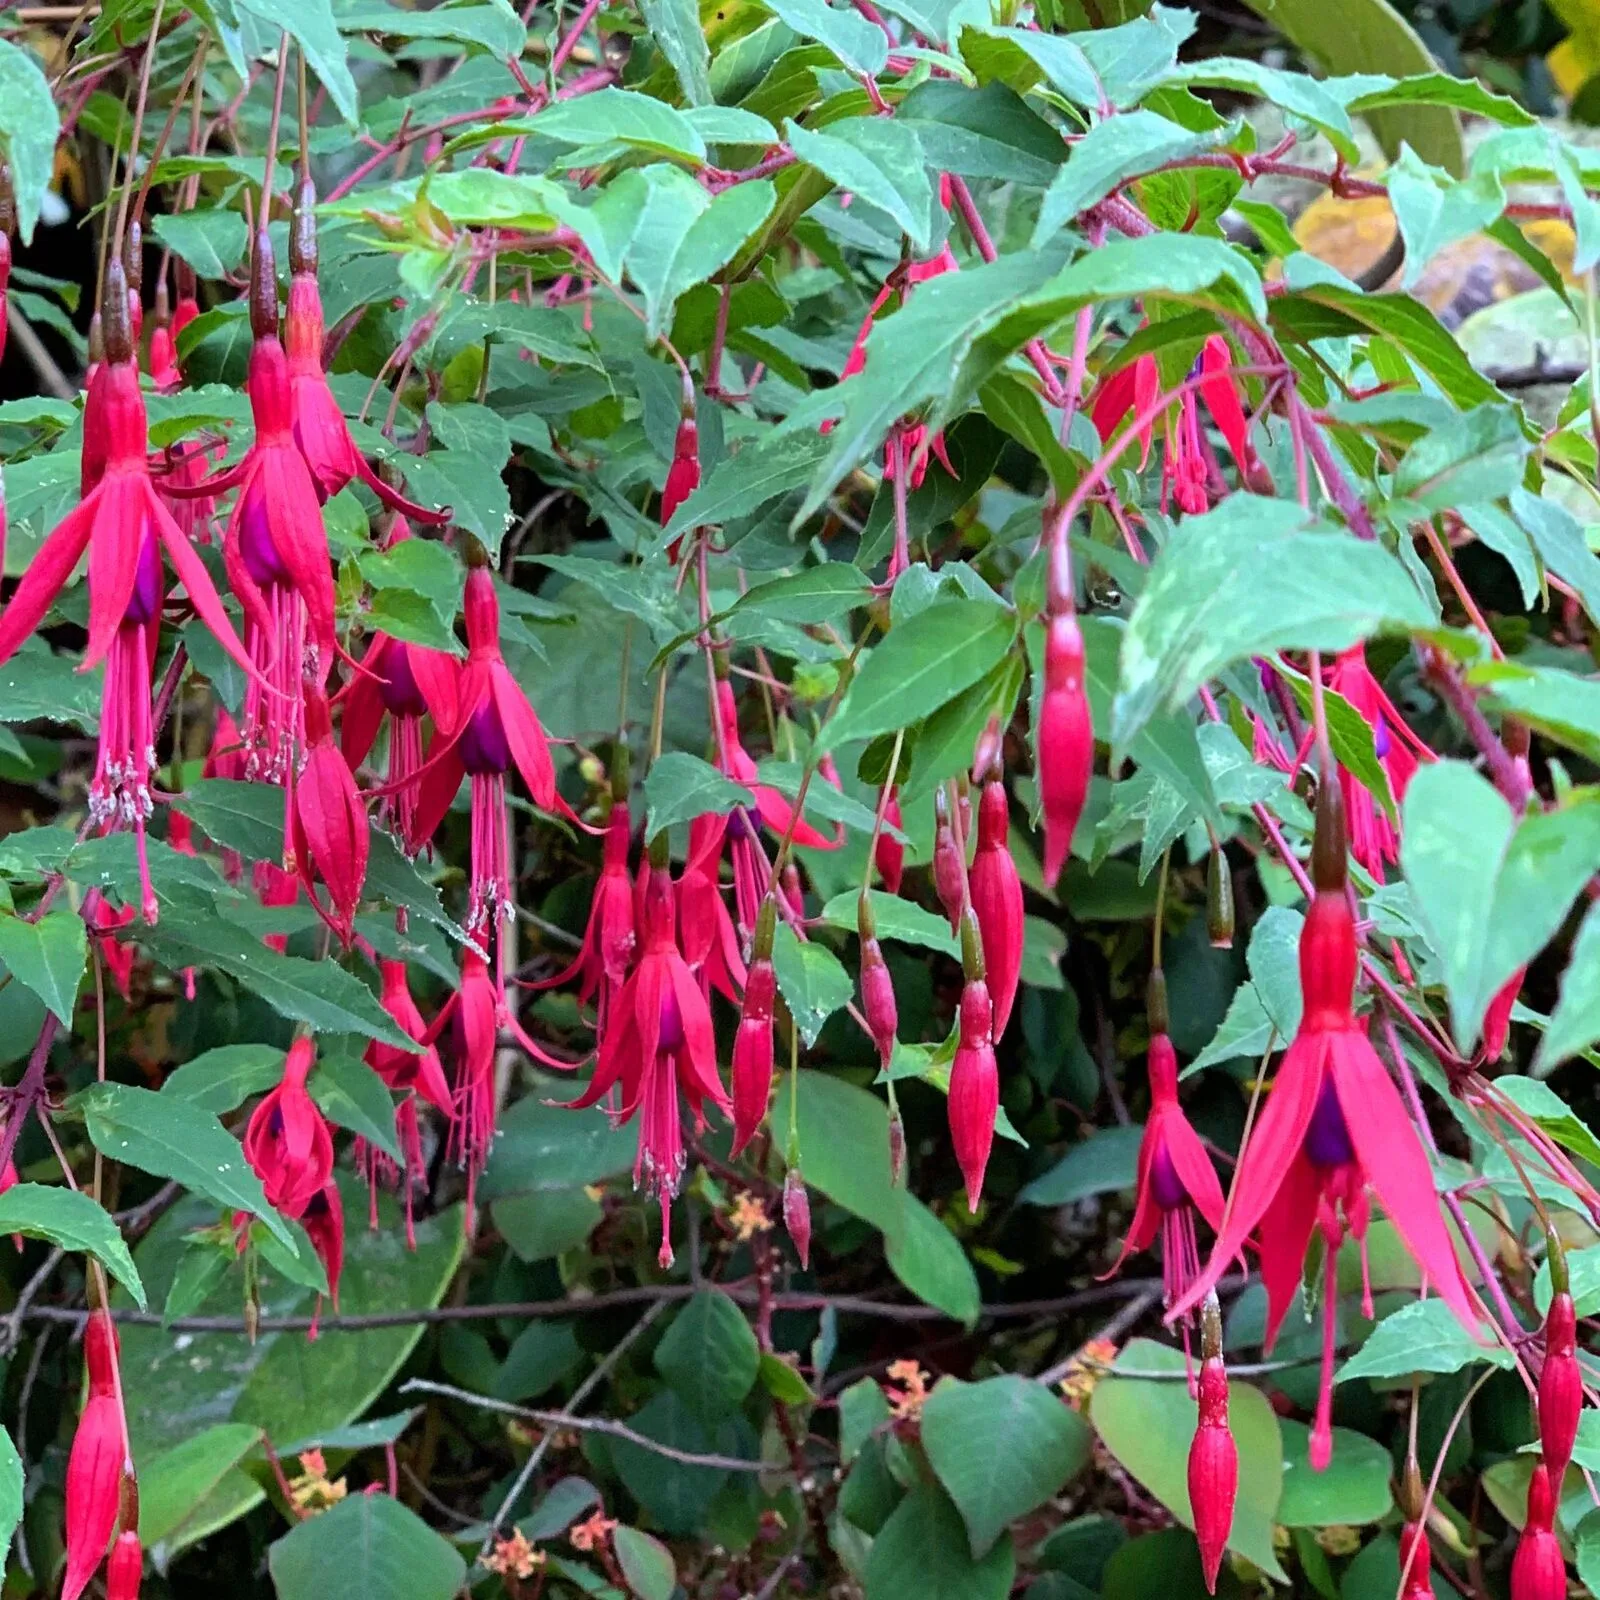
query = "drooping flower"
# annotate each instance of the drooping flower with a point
(1063, 742)
(889, 854)
(275, 889)
(116, 955)
(164, 373)
(1333, 1127)
(706, 934)
(188, 306)
(1132, 388)
(974, 1076)
(125, 1567)
(878, 1003)
(777, 811)
(123, 525)
(1560, 1378)
(797, 1214)
(328, 822)
(997, 900)
(391, 678)
(494, 729)
(1497, 1019)
(1374, 838)
(659, 1042)
(323, 1220)
(949, 865)
(1176, 1180)
(1213, 1456)
(286, 1141)
(94, 1476)
(1538, 1571)
(752, 1043)
(683, 475)
(472, 1012)
(318, 425)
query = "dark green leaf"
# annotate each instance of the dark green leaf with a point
(709, 1356)
(813, 983)
(69, 1218)
(922, 1553)
(222, 1080)
(367, 1547)
(47, 956)
(29, 127)
(311, 24)
(681, 787)
(1103, 1163)
(1421, 1337)
(353, 1096)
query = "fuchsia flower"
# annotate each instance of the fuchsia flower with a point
(188, 307)
(123, 525)
(474, 1012)
(116, 954)
(683, 475)
(1213, 1470)
(1560, 1377)
(974, 1077)
(286, 1141)
(1538, 1571)
(997, 901)
(95, 1470)
(320, 430)
(659, 1042)
(777, 811)
(1063, 741)
(491, 730)
(405, 680)
(1132, 388)
(125, 1567)
(275, 888)
(1374, 838)
(1175, 1181)
(889, 855)
(8, 223)
(797, 1214)
(328, 822)
(752, 1043)
(1333, 1127)
(949, 865)
(1415, 1561)
(878, 1002)
(1497, 1020)
(707, 936)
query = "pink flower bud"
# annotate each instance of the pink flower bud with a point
(974, 1089)
(797, 1214)
(1537, 1570)
(1560, 1386)
(889, 855)
(94, 1479)
(1213, 1470)
(1414, 1563)
(1497, 1021)
(949, 870)
(997, 901)
(101, 1348)
(125, 1568)
(752, 1053)
(1063, 742)
(877, 999)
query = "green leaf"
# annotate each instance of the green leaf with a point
(929, 1260)
(862, 1411)
(1001, 1448)
(1109, 154)
(675, 27)
(548, 1223)
(221, 1080)
(1148, 1425)
(29, 128)
(677, 1496)
(1352, 1489)
(710, 1356)
(1244, 1032)
(311, 24)
(1490, 893)
(1575, 1022)
(1296, 93)
(922, 1553)
(897, 918)
(540, 1357)
(1560, 704)
(494, 26)
(813, 595)
(11, 1487)
(844, 1149)
(861, 47)
(247, 817)
(1434, 211)
(755, 476)
(1104, 1163)
(782, 1382)
(622, 115)
(352, 1096)
(1110, 66)
(175, 1483)
(1561, 544)
(367, 1547)
(987, 133)
(923, 663)
(878, 161)
(170, 1137)
(69, 1218)
(813, 983)
(47, 956)
(542, 1148)
(1249, 578)
(646, 1563)
(212, 242)
(681, 787)
(1423, 1336)
(1476, 456)
(1546, 1108)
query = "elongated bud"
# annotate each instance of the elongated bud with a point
(996, 892)
(133, 260)
(878, 1000)
(1560, 1379)
(1411, 1497)
(1219, 901)
(303, 230)
(986, 753)
(1213, 1470)
(1063, 742)
(889, 855)
(94, 1474)
(1155, 1002)
(974, 1088)
(263, 288)
(101, 1347)
(949, 870)
(621, 776)
(1415, 1558)
(766, 930)
(797, 1214)
(125, 1568)
(972, 963)
(897, 1148)
(752, 1050)
(683, 475)
(1329, 847)
(115, 328)
(1497, 1019)
(1537, 1570)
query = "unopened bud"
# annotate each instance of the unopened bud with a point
(878, 1000)
(986, 753)
(972, 966)
(125, 1566)
(303, 230)
(1329, 848)
(133, 257)
(1411, 1499)
(897, 1148)
(116, 329)
(263, 288)
(1155, 1002)
(1219, 901)
(797, 1214)
(766, 930)
(100, 1350)
(1213, 1471)
(949, 870)
(1560, 1385)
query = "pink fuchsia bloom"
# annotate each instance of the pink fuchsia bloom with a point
(95, 1468)
(1374, 838)
(878, 1002)
(609, 941)
(473, 1011)
(752, 1051)
(407, 681)
(997, 901)
(1416, 1559)
(797, 1214)
(323, 1220)
(1132, 388)
(777, 811)
(493, 730)
(1560, 1377)
(328, 822)
(683, 475)
(659, 1043)
(1063, 742)
(1538, 1571)
(1176, 1181)
(706, 934)
(123, 525)
(115, 954)
(949, 864)
(320, 430)
(1213, 1470)
(1334, 1127)
(275, 888)
(889, 854)
(164, 373)
(286, 1141)
(974, 1086)
(188, 306)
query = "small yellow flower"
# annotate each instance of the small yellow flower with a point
(590, 1535)
(908, 1401)
(514, 1557)
(1084, 1373)
(312, 1491)
(748, 1217)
